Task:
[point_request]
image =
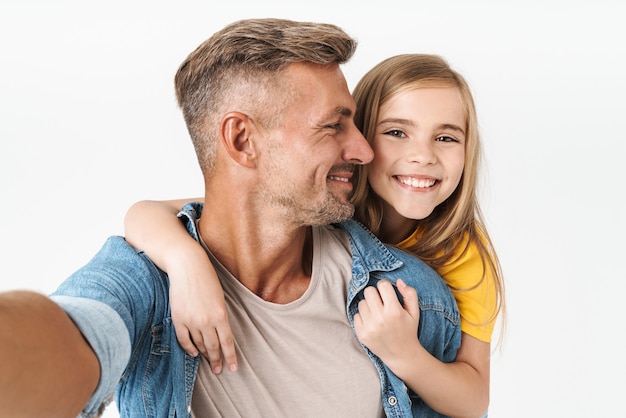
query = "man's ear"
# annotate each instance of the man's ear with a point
(237, 137)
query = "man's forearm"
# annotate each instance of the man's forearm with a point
(48, 368)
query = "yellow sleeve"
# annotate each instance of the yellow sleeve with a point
(475, 295)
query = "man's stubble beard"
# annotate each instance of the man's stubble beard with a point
(298, 204)
(302, 211)
(332, 210)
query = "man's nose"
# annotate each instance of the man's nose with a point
(357, 150)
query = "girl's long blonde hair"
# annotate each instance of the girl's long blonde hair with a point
(458, 221)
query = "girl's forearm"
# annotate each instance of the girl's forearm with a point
(153, 227)
(458, 389)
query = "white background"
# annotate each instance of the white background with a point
(89, 125)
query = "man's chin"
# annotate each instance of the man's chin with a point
(340, 213)
(332, 212)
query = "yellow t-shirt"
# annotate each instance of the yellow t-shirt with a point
(477, 304)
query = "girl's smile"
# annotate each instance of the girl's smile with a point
(419, 152)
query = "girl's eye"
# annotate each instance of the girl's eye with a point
(445, 138)
(396, 132)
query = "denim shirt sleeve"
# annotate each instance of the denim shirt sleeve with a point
(119, 301)
(112, 300)
(107, 335)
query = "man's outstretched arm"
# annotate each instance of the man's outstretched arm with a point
(47, 367)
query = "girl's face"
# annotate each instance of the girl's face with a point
(419, 154)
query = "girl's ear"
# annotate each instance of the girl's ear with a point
(237, 138)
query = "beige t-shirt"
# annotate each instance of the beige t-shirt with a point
(299, 359)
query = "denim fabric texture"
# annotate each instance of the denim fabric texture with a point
(130, 328)
(439, 329)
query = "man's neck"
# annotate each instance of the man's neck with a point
(273, 261)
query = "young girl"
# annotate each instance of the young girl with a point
(418, 193)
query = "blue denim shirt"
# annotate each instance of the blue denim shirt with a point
(120, 302)
(438, 329)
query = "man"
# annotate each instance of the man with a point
(270, 116)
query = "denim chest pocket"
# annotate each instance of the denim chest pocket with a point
(161, 338)
(157, 387)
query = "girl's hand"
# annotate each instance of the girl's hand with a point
(197, 300)
(383, 324)
(199, 315)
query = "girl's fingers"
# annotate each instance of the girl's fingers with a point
(409, 294)
(209, 345)
(184, 339)
(227, 344)
(387, 293)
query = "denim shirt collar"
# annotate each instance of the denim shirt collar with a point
(369, 254)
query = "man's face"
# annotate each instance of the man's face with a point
(311, 156)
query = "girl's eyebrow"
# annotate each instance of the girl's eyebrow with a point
(453, 127)
(398, 121)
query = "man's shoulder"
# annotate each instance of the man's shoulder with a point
(373, 250)
(115, 261)
(367, 249)
(116, 246)
(356, 230)
(362, 238)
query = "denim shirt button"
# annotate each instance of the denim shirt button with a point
(392, 400)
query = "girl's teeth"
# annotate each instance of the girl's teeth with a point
(417, 183)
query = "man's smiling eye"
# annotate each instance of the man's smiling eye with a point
(395, 132)
(335, 126)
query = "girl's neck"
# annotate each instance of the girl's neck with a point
(395, 228)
